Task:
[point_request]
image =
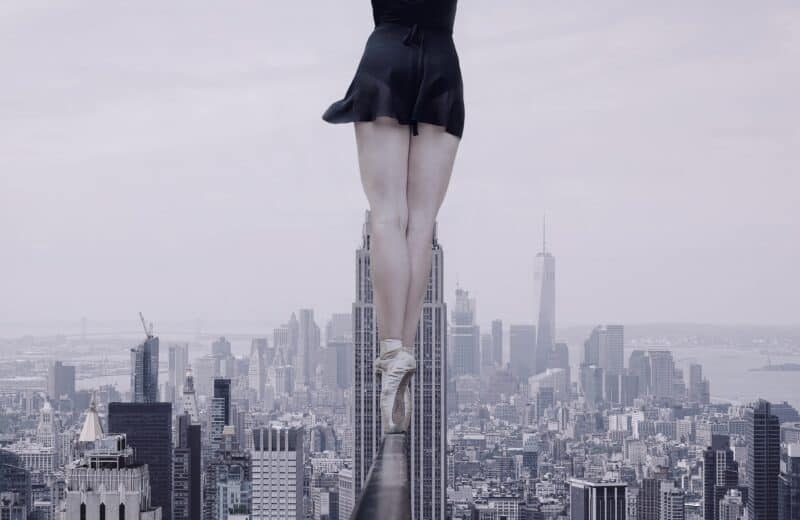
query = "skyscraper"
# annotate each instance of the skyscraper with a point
(60, 381)
(109, 483)
(427, 435)
(464, 336)
(522, 350)
(648, 503)
(720, 474)
(190, 398)
(178, 361)
(544, 294)
(673, 502)
(605, 348)
(763, 437)
(639, 366)
(148, 428)
(789, 481)
(257, 375)
(597, 500)
(497, 342)
(187, 471)
(144, 371)
(277, 473)
(308, 344)
(662, 374)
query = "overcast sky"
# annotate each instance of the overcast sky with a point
(170, 157)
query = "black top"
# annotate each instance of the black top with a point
(430, 14)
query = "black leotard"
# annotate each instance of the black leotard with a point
(409, 70)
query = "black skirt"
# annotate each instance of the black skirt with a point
(407, 72)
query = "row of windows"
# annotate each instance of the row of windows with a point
(121, 514)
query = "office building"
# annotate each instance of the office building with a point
(789, 483)
(109, 483)
(763, 461)
(597, 500)
(464, 336)
(144, 371)
(187, 470)
(720, 474)
(522, 350)
(277, 473)
(148, 429)
(497, 342)
(61, 381)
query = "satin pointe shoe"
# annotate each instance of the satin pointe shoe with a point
(396, 366)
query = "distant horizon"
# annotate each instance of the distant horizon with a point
(133, 327)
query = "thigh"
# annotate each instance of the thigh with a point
(383, 152)
(431, 157)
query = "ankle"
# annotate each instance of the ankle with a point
(390, 345)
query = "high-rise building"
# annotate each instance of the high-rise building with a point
(522, 350)
(591, 383)
(187, 471)
(339, 327)
(220, 412)
(148, 428)
(544, 294)
(464, 336)
(339, 338)
(427, 435)
(277, 469)
(648, 503)
(763, 437)
(639, 366)
(789, 482)
(308, 344)
(16, 480)
(178, 363)
(673, 502)
(144, 371)
(662, 374)
(605, 348)
(259, 362)
(109, 483)
(229, 476)
(497, 342)
(597, 500)
(190, 398)
(60, 381)
(720, 474)
(731, 506)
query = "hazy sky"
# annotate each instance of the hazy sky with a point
(170, 157)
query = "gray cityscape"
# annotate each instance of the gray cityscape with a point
(513, 421)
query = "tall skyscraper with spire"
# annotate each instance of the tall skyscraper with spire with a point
(427, 434)
(545, 298)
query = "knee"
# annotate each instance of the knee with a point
(421, 222)
(390, 219)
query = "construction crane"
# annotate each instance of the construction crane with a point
(147, 330)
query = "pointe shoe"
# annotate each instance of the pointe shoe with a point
(396, 367)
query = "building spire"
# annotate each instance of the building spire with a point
(544, 233)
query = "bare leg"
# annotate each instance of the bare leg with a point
(430, 164)
(383, 153)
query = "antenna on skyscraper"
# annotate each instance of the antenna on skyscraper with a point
(544, 233)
